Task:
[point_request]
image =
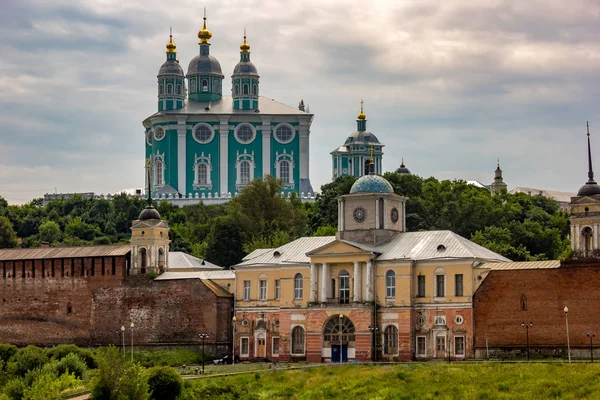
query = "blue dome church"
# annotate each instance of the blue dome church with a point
(206, 145)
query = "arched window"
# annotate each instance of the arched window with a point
(390, 340)
(523, 302)
(254, 91)
(192, 86)
(344, 287)
(244, 172)
(158, 173)
(179, 88)
(246, 88)
(216, 86)
(298, 285)
(202, 174)
(169, 88)
(161, 89)
(337, 329)
(143, 261)
(204, 85)
(586, 235)
(390, 284)
(284, 172)
(236, 89)
(298, 340)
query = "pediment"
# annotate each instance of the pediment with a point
(586, 200)
(336, 247)
(150, 223)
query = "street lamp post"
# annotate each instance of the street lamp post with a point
(123, 335)
(591, 336)
(233, 342)
(527, 326)
(566, 310)
(203, 336)
(131, 341)
(374, 330)
(341, 339)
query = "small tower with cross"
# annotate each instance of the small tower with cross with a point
(149, 239)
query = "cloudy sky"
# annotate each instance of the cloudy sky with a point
(448, 85)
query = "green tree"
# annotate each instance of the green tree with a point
(76, 228)
(8, 236)
(165, 383)
(117, 378)
(326, 206)
(50, 232)
(27, 359)
(326, 230)
(224, 245)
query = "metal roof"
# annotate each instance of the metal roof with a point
(291, 253)
(563, 197)
(64, 252)
(215, 275)
(181, 260)
(547, 264)
(256, 253)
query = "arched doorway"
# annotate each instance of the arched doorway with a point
(143, 261)
(586, 236)
(338, 337)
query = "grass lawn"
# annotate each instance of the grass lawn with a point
(410, 381)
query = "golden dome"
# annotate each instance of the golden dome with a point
(171, 47)
(245, 47)
(204, 33)
(362, 115)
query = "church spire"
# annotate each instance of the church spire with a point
(590, 169)
(361, 120)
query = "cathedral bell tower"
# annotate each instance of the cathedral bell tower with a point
(498, 185)
(244, 81)
(585, 215)
(149, 240)
(171, 81)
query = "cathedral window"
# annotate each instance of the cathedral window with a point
(298, 286)
(161, 89)
(203, 133)
(298, 340)
(202, 168)
(192, 86)
(284, 172)
(586, 236)
(284, 133)
(159, 169)
(390, 340)
(284, 168)
(159, 133)
(390, 284)
(244, 169)
(179, 88)
(245, 172)
(169, 88)
(246, 88)
(204, 85)
(254, 90)
(245, 133)
(216, 86)
(236, 90)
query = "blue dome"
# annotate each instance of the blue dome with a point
(371, 184)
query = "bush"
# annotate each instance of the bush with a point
(7, 351)
(15, 388)
(72, 363)
(165, 383)
(61, 351)
(118, 378)
(27, 359)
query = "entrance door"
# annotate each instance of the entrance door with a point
(261, 347)
(337, 350)
(440, 346)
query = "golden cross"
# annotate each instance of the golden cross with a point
(371, 154)
(148, 163)
(361, 105)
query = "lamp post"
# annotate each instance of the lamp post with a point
(374, 330)
(591, 336)
(233, 342)
(131, 341)
(203, 336)
(527, 326)
(566, 310)
(123, 336)
(341, 339)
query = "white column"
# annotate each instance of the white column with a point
(576, 236)
(595, 240)
(370, 281)
(223, 154)
(357, 287)
(377, 211)
(324, 280)
(313, 283)
(341, 220)
(304, 132)
(181, 158)
(266, 148)
(385, 214)
(572, 237)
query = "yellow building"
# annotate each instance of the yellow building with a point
(374, 291)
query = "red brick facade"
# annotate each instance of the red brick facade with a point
(508, 298)
(86, 300)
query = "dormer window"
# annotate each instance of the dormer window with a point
(441, 247)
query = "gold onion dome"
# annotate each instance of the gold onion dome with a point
(171, 47)
(245, 47)
(204, 34)
(362, 115)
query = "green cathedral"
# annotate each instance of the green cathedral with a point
(202, 144)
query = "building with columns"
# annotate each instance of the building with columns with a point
(372, 292)
(355, 156)
(207, 145)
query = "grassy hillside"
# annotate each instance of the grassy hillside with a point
(410, 381)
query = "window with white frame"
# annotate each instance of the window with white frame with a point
(254, 90)
(245, 169)
(244, 348)
(159, 170)
(159, 133)
(169, 88)
(459, 346)
(277, 289)
(421, 346)
(246, 290)
(245, 133)
(262, 286)
(161, 89)
(275, 346)
(202, 170)
(246, 90)
(440, 320)
(284, 133)
(390, 284)
(203, 133)
(236, 89)
(390, 340)
(298, 340)
(204, 85)
(284, 168)
(179, 88)
(344, 287)
(298, 286)
(440, 282)
(245, 172)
